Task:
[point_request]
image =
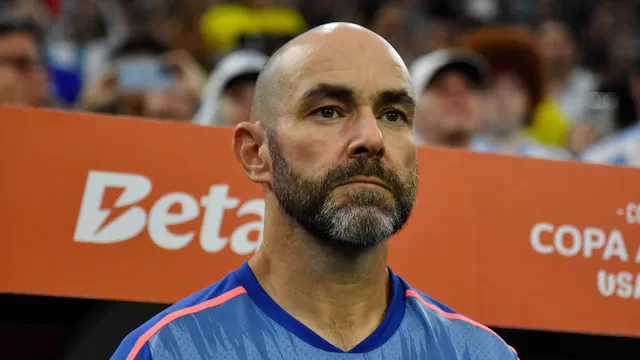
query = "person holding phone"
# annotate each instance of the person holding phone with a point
(146, 79)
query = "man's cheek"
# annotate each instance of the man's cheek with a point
(311, 154)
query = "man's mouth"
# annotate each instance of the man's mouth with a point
(365, 181)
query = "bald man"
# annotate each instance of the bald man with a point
(331, 143)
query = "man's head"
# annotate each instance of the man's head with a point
(448, 86)
(24, 79)
(227, 98)
(331, 137)
(83, 20)
(558, 46)
(518, 74)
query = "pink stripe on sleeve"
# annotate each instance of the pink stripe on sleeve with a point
(182, 312)
(453, 316)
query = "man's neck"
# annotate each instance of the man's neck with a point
(341, 297)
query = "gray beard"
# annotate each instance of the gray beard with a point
(356, 225)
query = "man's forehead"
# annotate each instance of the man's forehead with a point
(363, 75)
(328, 55)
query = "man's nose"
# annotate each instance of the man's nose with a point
(366, 136)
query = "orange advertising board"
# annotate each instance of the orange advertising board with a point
(118, 208)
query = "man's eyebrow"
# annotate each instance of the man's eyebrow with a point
(326, 91)
(396, 97)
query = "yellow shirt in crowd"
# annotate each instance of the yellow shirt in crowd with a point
(222, 25)
(549, 125)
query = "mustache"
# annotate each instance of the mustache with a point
(363, 166)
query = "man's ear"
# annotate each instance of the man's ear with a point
(248, 139)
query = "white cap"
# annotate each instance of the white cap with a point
(426, 67)
(233, 65)
(238, 63)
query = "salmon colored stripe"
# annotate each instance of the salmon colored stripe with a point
(454, 316)
(182, 312)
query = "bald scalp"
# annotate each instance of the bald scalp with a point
(269, 86)
(275, 82)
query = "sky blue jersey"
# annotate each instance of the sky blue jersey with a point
(235, 319)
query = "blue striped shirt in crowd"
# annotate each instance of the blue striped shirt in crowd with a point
(619, 149)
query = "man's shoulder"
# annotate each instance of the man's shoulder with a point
(461, 331)
(135, 345)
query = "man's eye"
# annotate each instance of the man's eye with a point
(394, 116)
(327, 113)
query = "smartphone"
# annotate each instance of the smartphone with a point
(144, 73)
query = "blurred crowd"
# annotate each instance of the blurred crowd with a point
(556, 79)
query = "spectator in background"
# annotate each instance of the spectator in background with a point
(622, 148)
(569, 84)
(448, 85)
(223, 25)
(79, 44)
(622, 54)
(36, 11)
(228, 94)
(517, 88)
(405, 27)
(173, 22)
(146, 79)
(602, 26)
(23, 76)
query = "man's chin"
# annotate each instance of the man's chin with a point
(361, 227)
(353, 247)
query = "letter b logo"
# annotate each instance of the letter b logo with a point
(91, 227)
